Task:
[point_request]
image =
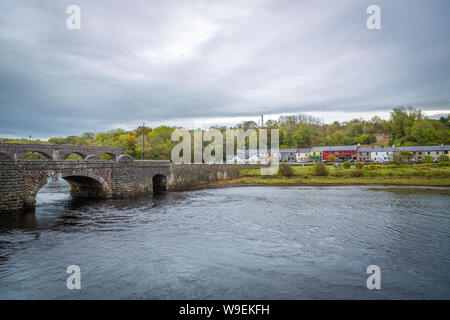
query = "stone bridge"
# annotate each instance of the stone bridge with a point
(20, 181)
(14, 151)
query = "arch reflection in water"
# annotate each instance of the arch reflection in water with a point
(159, 183)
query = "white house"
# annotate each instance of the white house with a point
(288, 155)
(302, 155)
(381, 154)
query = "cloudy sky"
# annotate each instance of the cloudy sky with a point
(194, 63)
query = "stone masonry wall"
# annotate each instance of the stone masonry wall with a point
(12, 186)
(189, 176)
(21, 180)
(54, 151)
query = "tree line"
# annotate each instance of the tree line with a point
(405, 127)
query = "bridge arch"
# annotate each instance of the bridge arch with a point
(109, 156)
(82, 184)
(67, 154)
(23, 155)
(159, 183)
(92, 157)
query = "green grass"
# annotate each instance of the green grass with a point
(420, 174)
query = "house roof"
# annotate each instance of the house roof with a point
(340, 148)
(352, 148)
(425, 148)
(375, 149)
(288, 150)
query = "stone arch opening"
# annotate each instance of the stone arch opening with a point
(92, 157)
(108, 156)
(85, 187)
(82, 184)
(159, 183)
(34, 155)
(75, 156)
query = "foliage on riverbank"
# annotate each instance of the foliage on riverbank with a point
(417, 174)
(406, 127)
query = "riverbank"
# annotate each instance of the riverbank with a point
(414, 175)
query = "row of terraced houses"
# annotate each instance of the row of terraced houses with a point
(344, 153)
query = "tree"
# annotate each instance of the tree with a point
(128, 142)
(331, 158)
(443, 158)
(320, 169)
(427, 159)
(286, 170)
(400, 157)
(302, 137)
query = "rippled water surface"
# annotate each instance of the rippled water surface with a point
(232, 243)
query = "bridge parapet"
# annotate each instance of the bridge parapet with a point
(55, 151)
(20, 181)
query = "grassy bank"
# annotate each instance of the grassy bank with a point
(419, 174)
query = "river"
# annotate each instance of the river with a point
(231, 243)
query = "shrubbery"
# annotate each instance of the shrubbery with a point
(359, 165)
(346, 165)
(427, 159)
(331, 158)
(357, 173)
(320, 169)
(286, 170)
(443, 158)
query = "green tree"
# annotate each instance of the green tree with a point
(331, 158)
(427, 159)
(320, 169)
(443, 158)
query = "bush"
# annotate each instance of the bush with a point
(358, 172)
(401, 157)
(286, 170)
(443, 158)
(346, 165)
(371, 167)
(320, 169)
(359, 165)
(427, 159)
(331, 158)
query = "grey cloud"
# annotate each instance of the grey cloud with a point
(163, 60)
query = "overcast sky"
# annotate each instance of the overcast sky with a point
(194, 62)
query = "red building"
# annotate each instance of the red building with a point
(342, 153)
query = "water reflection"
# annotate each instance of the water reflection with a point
(24, 221)
(233, 243)
(414, 190)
